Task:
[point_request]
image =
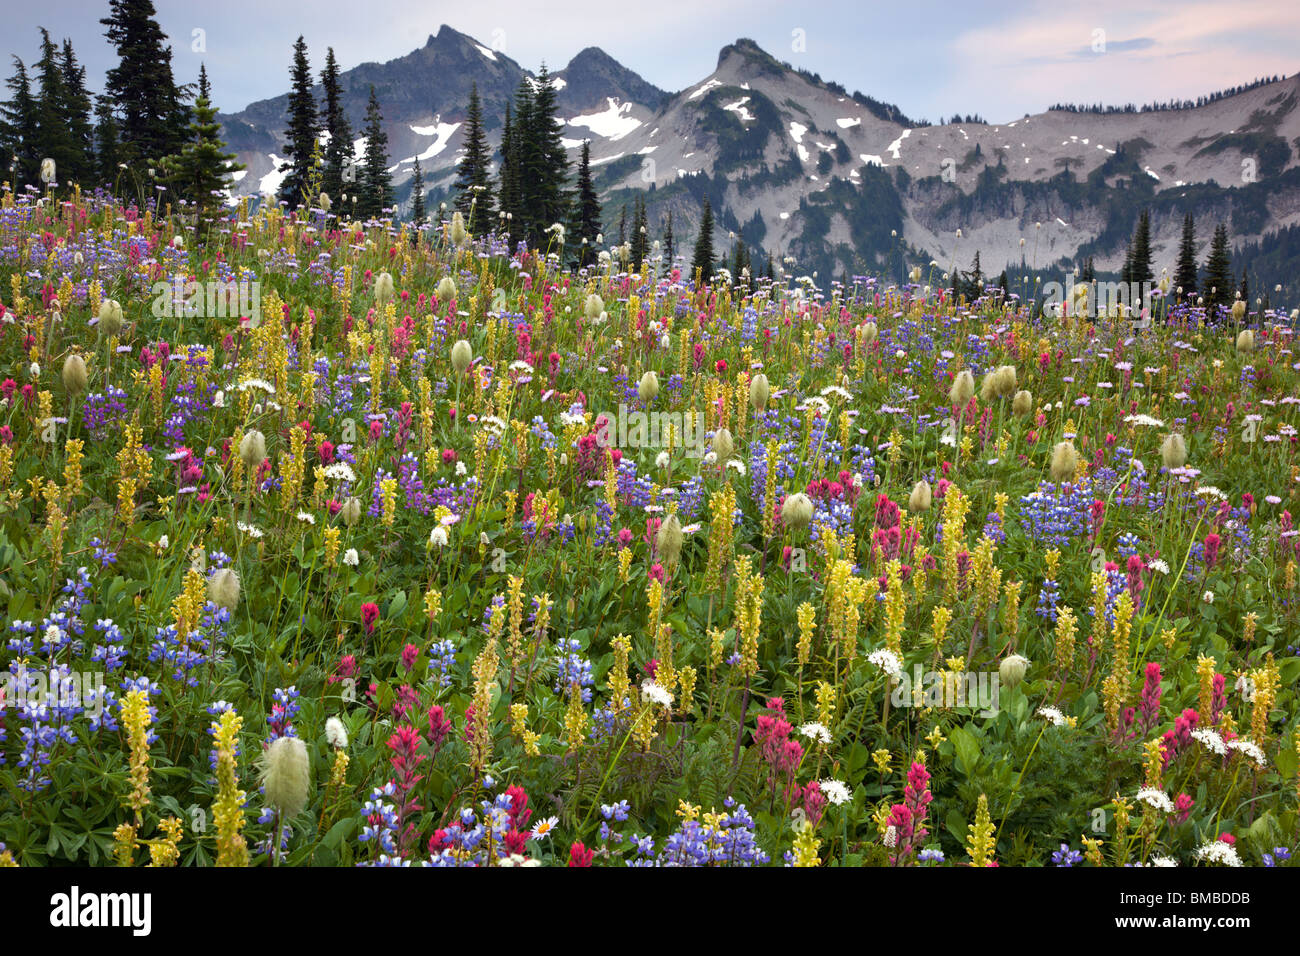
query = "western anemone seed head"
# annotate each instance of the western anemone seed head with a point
(223, 589)
(446, 289)
(252, 449)
(458, 232)
(593, 306)
(869, 333)
(919, 499)
(1065, 461)
(759, 392)
(110, 317)
(963, 387)
(74, 374)
(324, 202)
(648, 387)
(351, 511)
(1238, 310)
(723, 445)
(1023, 403)
(797, 510)
(286, 775)
(1246, 340)
(461, 356)
(916, 274)
(1005, 377)
(989, 386)
(383, 289)
(1012, 669)
(1173, 452)
(336, 734)
(668, 542)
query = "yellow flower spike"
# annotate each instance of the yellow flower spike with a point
(981, 842)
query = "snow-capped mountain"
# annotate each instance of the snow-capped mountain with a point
(840, 182)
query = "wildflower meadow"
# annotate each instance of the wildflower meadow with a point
(330, 542)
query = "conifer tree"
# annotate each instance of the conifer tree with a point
(417, 193)
(670, 248)
(640, 235)
(544, 163)
(1140, 268)
(584, 224)
(1216, 283)
(376, 183)
(338, 150)
(108, 148)
(76, 113)
(702, 261)
(512, 170)
(1243, 293)
(474, 173)
(142, 88)
(302, 131)
(18, 129)
(1185, 271)
(201, 171)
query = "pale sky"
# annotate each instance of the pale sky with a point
(998, 58)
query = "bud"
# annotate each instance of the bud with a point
(324, 202)
(461, 356)
(458, 232)
(110, 317)
(1238, 310)
(1065, 460)
(989, 386)
(723, 446)
(446, 289)
(759, 392)
(350, 511)
(963, 387)
(919, 499)
(668, 542)
(593, 306)
(1173, 452)
(383, 289)
(252, 449)
(74, 374)
(1023, 403)
(286, 775)
(797, 510)
(1012, 669)
(1245, 339)
(869, 333)
(1005, 379)
(223, 589)
(648, 387)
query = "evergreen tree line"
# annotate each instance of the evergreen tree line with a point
(1167, 105)
(143, 130)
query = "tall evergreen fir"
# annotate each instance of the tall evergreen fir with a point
(1002, 282)
(670, 248)
(142, 88)
(1185, 271)
(302, 130)
(508, 175)
(53, 138)
(1216, 283)
(76, 113)
(584, 222)
(702, 261)
(640, 235)
(474, 172)
(544, 165)
(108, 148)
(201, 171)
(975, 285)
(375, 181)
(417, 193)
(1089, 273)
(334, 119)
(1140, 268)
(19, 129)
(1243, 292)
(622, 225)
